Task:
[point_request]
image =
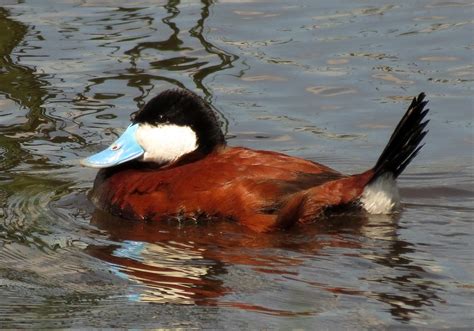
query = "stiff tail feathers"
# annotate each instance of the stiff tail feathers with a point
(404, 144)
(380, 195)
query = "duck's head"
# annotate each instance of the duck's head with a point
(170, 126)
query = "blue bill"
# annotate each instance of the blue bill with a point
(125, 148)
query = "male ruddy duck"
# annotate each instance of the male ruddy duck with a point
(173, 162)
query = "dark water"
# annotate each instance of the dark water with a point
(324, 80)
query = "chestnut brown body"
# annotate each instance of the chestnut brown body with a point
(260, 189)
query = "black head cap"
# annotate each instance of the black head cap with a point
(184, 108)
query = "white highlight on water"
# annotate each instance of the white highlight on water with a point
(381, 196)
(165, 143)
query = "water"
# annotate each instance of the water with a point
(323, 80)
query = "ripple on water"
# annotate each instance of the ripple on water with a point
(10, 155)
(29, 215)
(40, 259)
(330, 91)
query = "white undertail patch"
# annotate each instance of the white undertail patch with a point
(165, 143)
(381, 196)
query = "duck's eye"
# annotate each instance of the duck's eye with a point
(115, 147)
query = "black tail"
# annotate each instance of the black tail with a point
(404, 143)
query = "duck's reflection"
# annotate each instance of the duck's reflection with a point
(171, 274)
(406, 286)
(186, 263)
(169, 263)
(181, 263)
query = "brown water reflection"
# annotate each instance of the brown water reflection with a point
(183, 263)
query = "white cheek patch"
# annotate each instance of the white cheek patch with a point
(381, 196)
(165, 143)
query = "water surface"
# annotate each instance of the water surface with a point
(323, 80)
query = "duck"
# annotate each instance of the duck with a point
(173, 163)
